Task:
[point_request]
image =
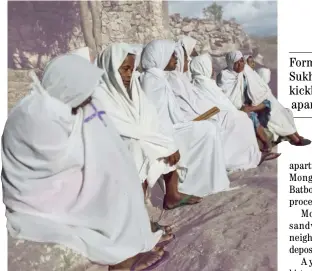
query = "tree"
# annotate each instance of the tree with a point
(214, 11)
(91, 29)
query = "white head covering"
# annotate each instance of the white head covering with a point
(191, 102)
(68, 87)
(201, 68)
(157, 54)
(84, 52)
(231, 58)
(135, 118)
(189, 44)
(233, 84)
(265, 74)
(246, 57)
(61, 171)
(137, 50)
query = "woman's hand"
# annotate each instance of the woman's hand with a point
(173, 158)
(247, 109)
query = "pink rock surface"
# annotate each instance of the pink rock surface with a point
(228, 231)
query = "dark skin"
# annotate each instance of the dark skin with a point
(147, 260)
(173, 196)
(172, 64)
(194, 53)
(239, 67)
(185, 67)
(75, 109)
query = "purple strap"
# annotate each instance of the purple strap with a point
(95, 114)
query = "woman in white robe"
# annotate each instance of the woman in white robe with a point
(66, 172)
(198, 142)
(237, 134)
(247, 91)
(136, 120)
(243, 131)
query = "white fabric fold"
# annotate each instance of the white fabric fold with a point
(281, 121)
(201, 69)
(61, 173)
(198, 142)
(136, 119)
(237, 133)
(189, 44)
(265, 74)
(83, 52)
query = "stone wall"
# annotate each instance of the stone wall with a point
(214, 38)
(39, 30)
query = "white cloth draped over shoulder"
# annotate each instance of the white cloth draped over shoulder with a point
(237, 133)
(135, 118)
(265, 74)
(198, 142)
(65, 177)
(201, 69)
(281, 121)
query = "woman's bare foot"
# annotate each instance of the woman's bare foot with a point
(266, 156)
(179, 200)
(141, 261)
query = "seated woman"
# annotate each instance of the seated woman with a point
(243, 141)
(136, 120)
(66, 173)
(238, 138)
(247, 91)
(198, 141)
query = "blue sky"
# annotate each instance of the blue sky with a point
(257, 17)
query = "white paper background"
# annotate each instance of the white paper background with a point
(294, 23)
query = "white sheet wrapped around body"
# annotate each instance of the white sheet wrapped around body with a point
(198, 142)
(65, 176)
(135, 118)
(281, 122)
